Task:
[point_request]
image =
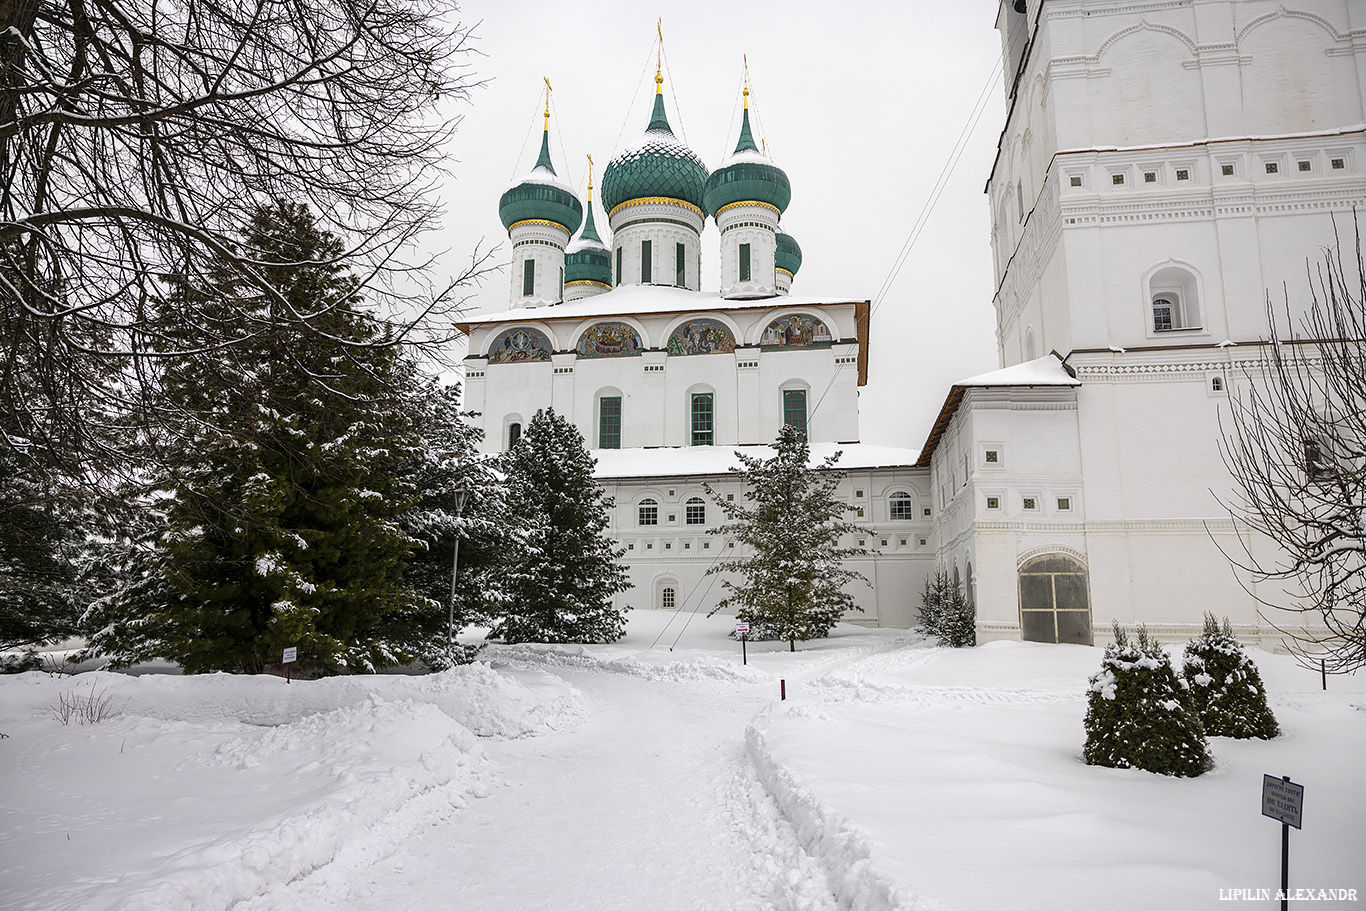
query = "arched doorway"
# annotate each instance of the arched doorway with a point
(1055, 600)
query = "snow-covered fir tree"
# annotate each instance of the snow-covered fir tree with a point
(791, 565)
(280, 485)
(946, 614)
(493, 537)
(1225, 686)
(1138, 712)
(561, 589)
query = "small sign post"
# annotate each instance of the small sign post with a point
(742, 629)
(1283, 800)
(291, 655)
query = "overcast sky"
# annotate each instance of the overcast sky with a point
(861, 103)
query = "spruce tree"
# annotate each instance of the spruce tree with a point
(946, 614)
(561, 589)
(792, 572)
(1138, 713)
(279, 486)
(1225, 685)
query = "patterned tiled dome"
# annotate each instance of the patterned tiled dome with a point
(587, 259)
(659, 165)
(788, 255)
(747, 176)
(541, 196)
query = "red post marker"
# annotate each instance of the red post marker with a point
(782, 689)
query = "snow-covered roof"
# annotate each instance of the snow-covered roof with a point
(1044, 371)
(686, 461)
(1048, 370)
(542, 174)
(629, 300)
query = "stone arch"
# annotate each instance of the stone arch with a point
(1054, 598)
(762, 327)
(1141, 111)
(682, 323)
(522, 344)
(1178, 285)
(1286, 68)
(610, 338)
(668, 592)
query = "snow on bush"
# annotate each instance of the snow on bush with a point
(1137, 712)
(1225, 685)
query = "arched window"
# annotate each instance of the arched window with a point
(702, 419)
(648, 513)
(1029, 347)
(514, 433)
(1055, 601)
(1173, 300)
(695, 511)
(668, 597)
(900, 506)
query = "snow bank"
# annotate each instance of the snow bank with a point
(834, 842)
(220, 791)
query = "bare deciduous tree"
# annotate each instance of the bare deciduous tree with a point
(137, 136)
(1296, 447)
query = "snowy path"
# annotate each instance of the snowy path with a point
(649, 803)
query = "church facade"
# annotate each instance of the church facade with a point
(1162, 166)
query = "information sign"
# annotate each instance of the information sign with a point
(1282, 800)
(291, 655)
(742, 627)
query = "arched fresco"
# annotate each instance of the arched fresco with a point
(701, 336)
(796, 330)
(609, 340)
(520, 346)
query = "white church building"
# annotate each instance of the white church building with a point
(1162, 165)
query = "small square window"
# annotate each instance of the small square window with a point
(631, 546)
(924, 542)
(1339, 164)
(1076, 180)
(1183, 174)
(993, 456)
(858, 493)
(673, 517)
(884, 542)
(1150, 177)
(668, 545)
(1030, 503)
(1226, 170)
(862, 542)
(730, 544)
(993, 502)
(903, 542)
(650, 546)
(1064, 503)
(1305, 166)
(687, 545)
(1117, 179)
(859, 512)
(926, 512)
(1273, 167)
(706, 545)
(671, 492)
(730, 498)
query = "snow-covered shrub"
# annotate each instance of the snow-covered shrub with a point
(85, 708)
(1138, 713)
(1225, 686)
(946, 614)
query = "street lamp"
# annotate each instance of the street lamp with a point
(462, 494)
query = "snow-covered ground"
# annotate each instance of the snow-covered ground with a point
(895, 775)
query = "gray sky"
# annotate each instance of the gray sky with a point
(861, 103)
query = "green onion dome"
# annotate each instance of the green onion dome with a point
(587, 259)
(747, 176)
(658, 166)
(541, 196)
(788, 256)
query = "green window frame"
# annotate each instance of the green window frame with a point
(618, 265)
(680, 267)
(646, 266)
(528, 276)
(703, 419)
(744, 263)
(609, 422)
(794, 409)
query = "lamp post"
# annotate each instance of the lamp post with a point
(461, 495)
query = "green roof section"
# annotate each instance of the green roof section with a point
(659, 165)
(590, 230)
(750, 177)
(788, 256)
(540, 196)
(544, 160)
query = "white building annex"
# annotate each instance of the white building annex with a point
(1163, 163)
